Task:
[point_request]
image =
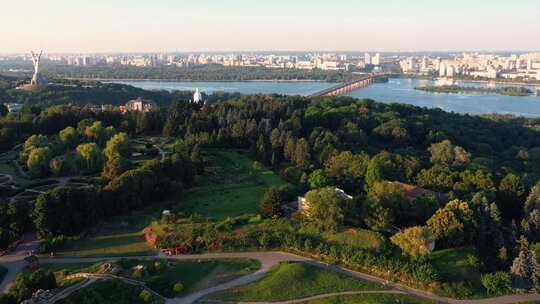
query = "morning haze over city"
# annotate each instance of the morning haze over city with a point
(235, 151)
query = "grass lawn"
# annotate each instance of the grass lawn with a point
(119, 236)
(360, 238)
(457, 265)
(370, 299)
(106, 292)
(193, 275)
(230, 186)
(289, 281)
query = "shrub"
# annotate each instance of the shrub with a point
(146, 296)
(178, 288)
(160, 266)
(138, 273)
(497, 284)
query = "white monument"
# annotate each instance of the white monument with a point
(197, 96)
(37, 79)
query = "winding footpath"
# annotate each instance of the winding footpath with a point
(15, 263)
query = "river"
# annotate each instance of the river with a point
(396, 90)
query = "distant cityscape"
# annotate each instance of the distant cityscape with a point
(473, 64)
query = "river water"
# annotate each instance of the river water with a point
(396, 90)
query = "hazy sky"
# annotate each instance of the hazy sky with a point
(228, 25)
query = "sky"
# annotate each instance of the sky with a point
(88, 26)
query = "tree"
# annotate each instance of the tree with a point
(302, 156)
(525, 270)
(96, 132)
(327, 208)
(415, 241)
(56, 166)
(38, 161)
(386, 205)
(447, 153)
(510, 196)
(118, 146)
(347, 169)
(66, 211)
(90, 157)
(533, 199)
(26, 284)
(114, 167)
(290, 148)
(33, 142)
(68, 137)
(452, 224)
(272, 203)
(319, 179)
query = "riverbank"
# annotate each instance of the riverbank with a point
(454, 89)
(498, 81)
(194, 81)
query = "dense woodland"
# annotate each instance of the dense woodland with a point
(482, 174)
(212, 72)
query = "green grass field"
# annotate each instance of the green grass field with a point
(360, 238)
(119, 236)
(106, 292)
(370, 299)
(457, 265)
(230, 186)
(289, 281)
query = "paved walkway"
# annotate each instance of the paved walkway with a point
(329, 295)
(267, 259)
(14, 261)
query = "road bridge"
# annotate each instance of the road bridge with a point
(347, 87)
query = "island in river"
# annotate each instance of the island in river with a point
(509, 91)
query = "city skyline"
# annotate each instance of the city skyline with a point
(62, 26)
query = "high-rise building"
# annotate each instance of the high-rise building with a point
(442, 69)
(367, 58)
(376, 59)
(450, 71)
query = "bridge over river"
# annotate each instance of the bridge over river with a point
(347, 87)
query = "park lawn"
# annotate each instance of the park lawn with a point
(370, 299)
(289, 281)
(106, 292)
(193, 275)
(231, 186)
(119, 236)
(455, 265)
(359, 238)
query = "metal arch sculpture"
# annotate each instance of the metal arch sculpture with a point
(37, 78)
